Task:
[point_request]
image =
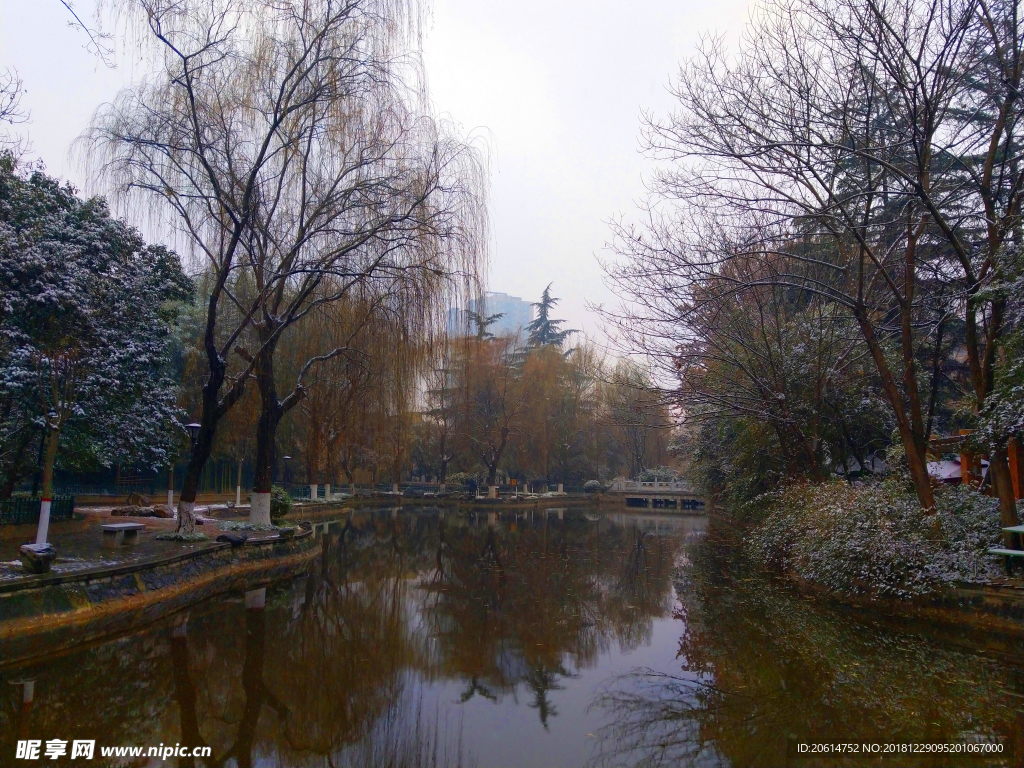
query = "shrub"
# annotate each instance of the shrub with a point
(874, 539)
(280, 503)
(592, 486)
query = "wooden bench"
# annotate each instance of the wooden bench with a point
(129, 532)
(1008, 555)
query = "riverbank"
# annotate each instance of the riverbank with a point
(50, 613)
(846, 574)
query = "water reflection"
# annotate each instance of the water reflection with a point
(595, 637)
(341, 666)
(527, 605)
(759, 666)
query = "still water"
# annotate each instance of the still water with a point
(576, 639)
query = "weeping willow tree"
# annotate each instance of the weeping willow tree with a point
(290, 143)
(357, 406)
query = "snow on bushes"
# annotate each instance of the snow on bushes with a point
(874, 539)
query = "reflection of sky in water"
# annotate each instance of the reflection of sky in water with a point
(511, 734)
(559, 642)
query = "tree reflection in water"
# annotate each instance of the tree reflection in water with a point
(760, 666)
(337, 667)
(527, 608)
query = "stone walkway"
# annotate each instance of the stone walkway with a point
(84, 549)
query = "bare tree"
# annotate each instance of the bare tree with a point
(872, 149)
(11, 112)
(291, 149)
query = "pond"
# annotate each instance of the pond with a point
(549, 638)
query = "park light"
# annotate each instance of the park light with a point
(193, 431)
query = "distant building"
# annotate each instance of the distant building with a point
(517, 314)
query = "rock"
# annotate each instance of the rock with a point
(234, 539)
(137, 500)
(160, 510)
(36, 558)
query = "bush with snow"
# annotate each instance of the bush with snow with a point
(873, 539)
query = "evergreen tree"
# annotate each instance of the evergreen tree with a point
(86, 309)
(482, 323)
(544, 330)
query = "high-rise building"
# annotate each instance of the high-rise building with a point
(516, 315)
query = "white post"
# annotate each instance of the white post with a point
(560, 488)
(44, 522)
(492, 492)
(313, 491)
(327, 492)
(394, 487)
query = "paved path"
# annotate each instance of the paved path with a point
(83, 549)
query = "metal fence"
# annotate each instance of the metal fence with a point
(21, 510)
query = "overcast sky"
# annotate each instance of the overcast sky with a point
(555, 88)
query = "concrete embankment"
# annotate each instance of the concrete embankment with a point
(50, 613)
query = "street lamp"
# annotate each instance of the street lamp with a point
(286, 460)
(193, 433)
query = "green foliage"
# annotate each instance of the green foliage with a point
(280, 503)
(736, 459)
(545, 330)
(874, 539)
(86, 316)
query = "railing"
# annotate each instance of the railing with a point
(657, 486)
(20, 510)
(303, 492)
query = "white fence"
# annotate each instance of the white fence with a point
(626, 486)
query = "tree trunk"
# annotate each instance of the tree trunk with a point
(193, 474)
(999, 467)
(913, 443)
(52, 438)
(266, 433)
(271, 412)
(212, 411)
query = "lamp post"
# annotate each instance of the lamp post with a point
(287, 484)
